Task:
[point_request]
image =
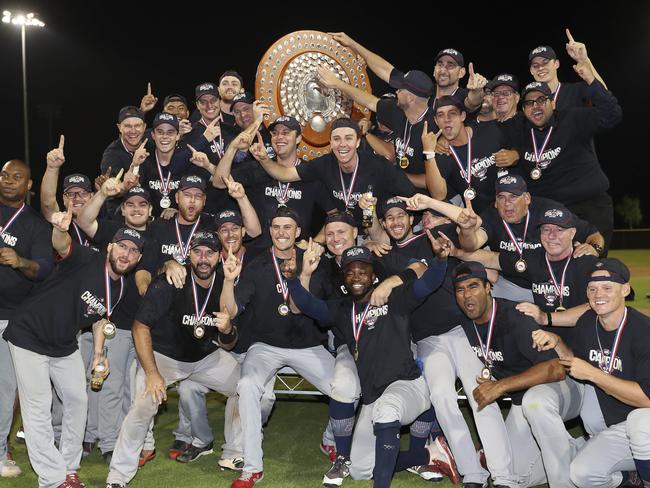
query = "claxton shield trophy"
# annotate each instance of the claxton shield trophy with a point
(286, 80)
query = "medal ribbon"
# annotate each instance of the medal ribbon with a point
(185, 248)
(559, 85)
(109, 296)
(83, 242)
(164, 183)
(200, 313)
(513, 239)
(555, 285)
(3, 229)
(348, 194)
(358, 327)
(538, 154)
(409, 127)
(406, 242)
(278, 275)
(617, 340)
(284, 191)
(124, 146)
(465, 173)
(485, 348)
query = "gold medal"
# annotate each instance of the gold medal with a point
(283, 309)
(536, 173)
(521, 265)
(560, 309)
(404, 162)
(108, 329)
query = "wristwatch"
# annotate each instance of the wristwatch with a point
(599, 249)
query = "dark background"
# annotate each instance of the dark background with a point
(93, 58)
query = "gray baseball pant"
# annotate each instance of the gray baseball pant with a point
(7, 391)
(35, 373)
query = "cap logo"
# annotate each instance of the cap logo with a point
(206, 86)
(226, 213)
(136, 189)
(76, 179)
(132, 233)
(284, 118)
(600, 264)
(452, 52)
(393, 200)
(194, 179)
(504, 78)
(355, 251)
(508, 180)
(203, 235)
(554, 213)
(540, 49)
(534, 84)
(165, 117)
(241, 96)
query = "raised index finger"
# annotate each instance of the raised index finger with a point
(425, 127)
(569, 36)
(143, 144)
(148, 88)
(61, 142)
(119, 174)
(192, 149)
(471, 69)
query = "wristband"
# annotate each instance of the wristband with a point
(407, 275)
(230, 337)
(549, 319)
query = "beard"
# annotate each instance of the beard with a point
(117, 267)
(203, 273)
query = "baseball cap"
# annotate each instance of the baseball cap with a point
(415, 81)
(284, 211)
(345, 122)
(192, 181)
(206, 88)
(514, 184)
(392, 202)
(456, 55)
(226, 216)
(289, 122)
(448, 100)
(470, 269)
(505, 79)
(559, 216)
(129, 111)
(542, 51)
(356, 253)
(128, 234)
(339, 216)
(165, 118)
(245, 97)
(205, 238)
(138, 191)
(78, 180)
(538, 86)
(175, 97)
(618, 271)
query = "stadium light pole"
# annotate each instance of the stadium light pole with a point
(24, 21)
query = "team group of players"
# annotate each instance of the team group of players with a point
(459, 239)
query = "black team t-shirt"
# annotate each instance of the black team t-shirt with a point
(150, 179)
(163, 232)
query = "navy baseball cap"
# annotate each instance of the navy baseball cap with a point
(192, 181)
(504, 79)
(175, 97)
(128, 234)
(538, 86)
(514, 184)
(79, 180)
(284, 211)
(205, 238)
(392, 202)
(226, 216)
(470, 269)
(456, 55)
(448, 100)
(128, 112)
(543, 52)
(339, 216)
(618, 271)
(138, 191)
(207, 88)
(245, 97)
(557, 215)
(356, 253)
(415, 81)
(165, 118)
(289, 122)
(345, 122)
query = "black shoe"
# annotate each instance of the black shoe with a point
(474, 485)
(108, 456)
(192, 453)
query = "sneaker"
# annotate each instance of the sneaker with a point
(20, 435)
(146, 456)
(232, 464)
(247, 480)
(108, 457)
(329, 451)
(87, 449)
(338, 472)
(426, 472)
(177, 449)
(192, 453)
(442, 460)
(475, 485)
(73, 480)
(9, 468)
(114, 485)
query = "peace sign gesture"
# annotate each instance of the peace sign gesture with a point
(62, 220)
(56, 158)
(235, 190)
(577, 50)
(311, 257)
(199, 159)
(441, 247)
(113, 186)
(475, 81)
(231, 266)
(429, 139)
(149, 101)
(140, 154)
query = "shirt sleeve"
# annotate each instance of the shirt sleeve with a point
(523, 332)
(312, 170)
(388, 113)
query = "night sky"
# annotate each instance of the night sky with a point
(93, 58)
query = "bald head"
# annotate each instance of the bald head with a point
(15, 182)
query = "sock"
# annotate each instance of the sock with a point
(417, 454)
(436, 431)
(643, 468)
(342, 420)
(386, 451)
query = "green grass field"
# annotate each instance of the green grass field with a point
(291, 440)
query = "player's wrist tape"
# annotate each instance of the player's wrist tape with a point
(549, 319)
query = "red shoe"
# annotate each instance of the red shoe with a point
(247, 480)
(178, 448)
(146, 456)
(442, 461)
(329, 451)
(72, 480)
